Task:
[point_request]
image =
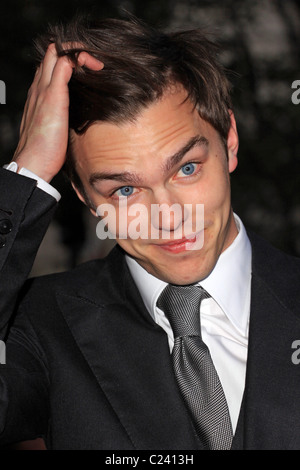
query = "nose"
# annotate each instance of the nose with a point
(167, 214)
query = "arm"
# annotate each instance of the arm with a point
(25, 213)
(25, 210)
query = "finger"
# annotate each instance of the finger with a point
(31, 96)
(83, 58)
(36, 79)
(38, 72)
(63, 69)
(48, 65)
(87, 60)
(62, 73)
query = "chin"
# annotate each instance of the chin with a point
(181, 269)
(189, 271)
(181, 278)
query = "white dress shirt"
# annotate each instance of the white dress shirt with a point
(224, 316)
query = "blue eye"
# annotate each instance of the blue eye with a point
(125, 191)
(188, 169)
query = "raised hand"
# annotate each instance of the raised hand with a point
(44, 126)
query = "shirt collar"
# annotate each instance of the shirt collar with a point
(228, 283)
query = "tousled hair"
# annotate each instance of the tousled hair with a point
(140, 64)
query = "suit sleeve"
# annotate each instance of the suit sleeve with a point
(25, 214)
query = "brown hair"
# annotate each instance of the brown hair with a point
(140, 63)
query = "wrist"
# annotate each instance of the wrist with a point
(41, 183)
(34, 167)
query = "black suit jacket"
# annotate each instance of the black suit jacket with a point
(87, 367)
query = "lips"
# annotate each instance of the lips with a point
(177, 246)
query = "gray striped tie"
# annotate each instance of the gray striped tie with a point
(196, 375)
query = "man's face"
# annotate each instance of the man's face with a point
(169, 155)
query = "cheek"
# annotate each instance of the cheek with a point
(213, 194)
(124, 222)
(134, 248)
(216, 192)
(219, 198)
(94, 197)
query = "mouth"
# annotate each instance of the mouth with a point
(178, 246)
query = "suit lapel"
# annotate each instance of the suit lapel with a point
(129, 356)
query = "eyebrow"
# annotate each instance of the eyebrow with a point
(129, 177)
(197, 141)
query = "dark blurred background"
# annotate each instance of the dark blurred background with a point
(261, 46)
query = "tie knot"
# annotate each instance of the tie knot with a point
(181, 306)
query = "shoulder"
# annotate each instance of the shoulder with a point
(98, 272)
(265, 254)
(279, 271)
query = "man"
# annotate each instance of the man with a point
(95, 358)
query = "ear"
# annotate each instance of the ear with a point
(83, 199)
(232, 144)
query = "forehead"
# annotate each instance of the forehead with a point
(158, 131)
